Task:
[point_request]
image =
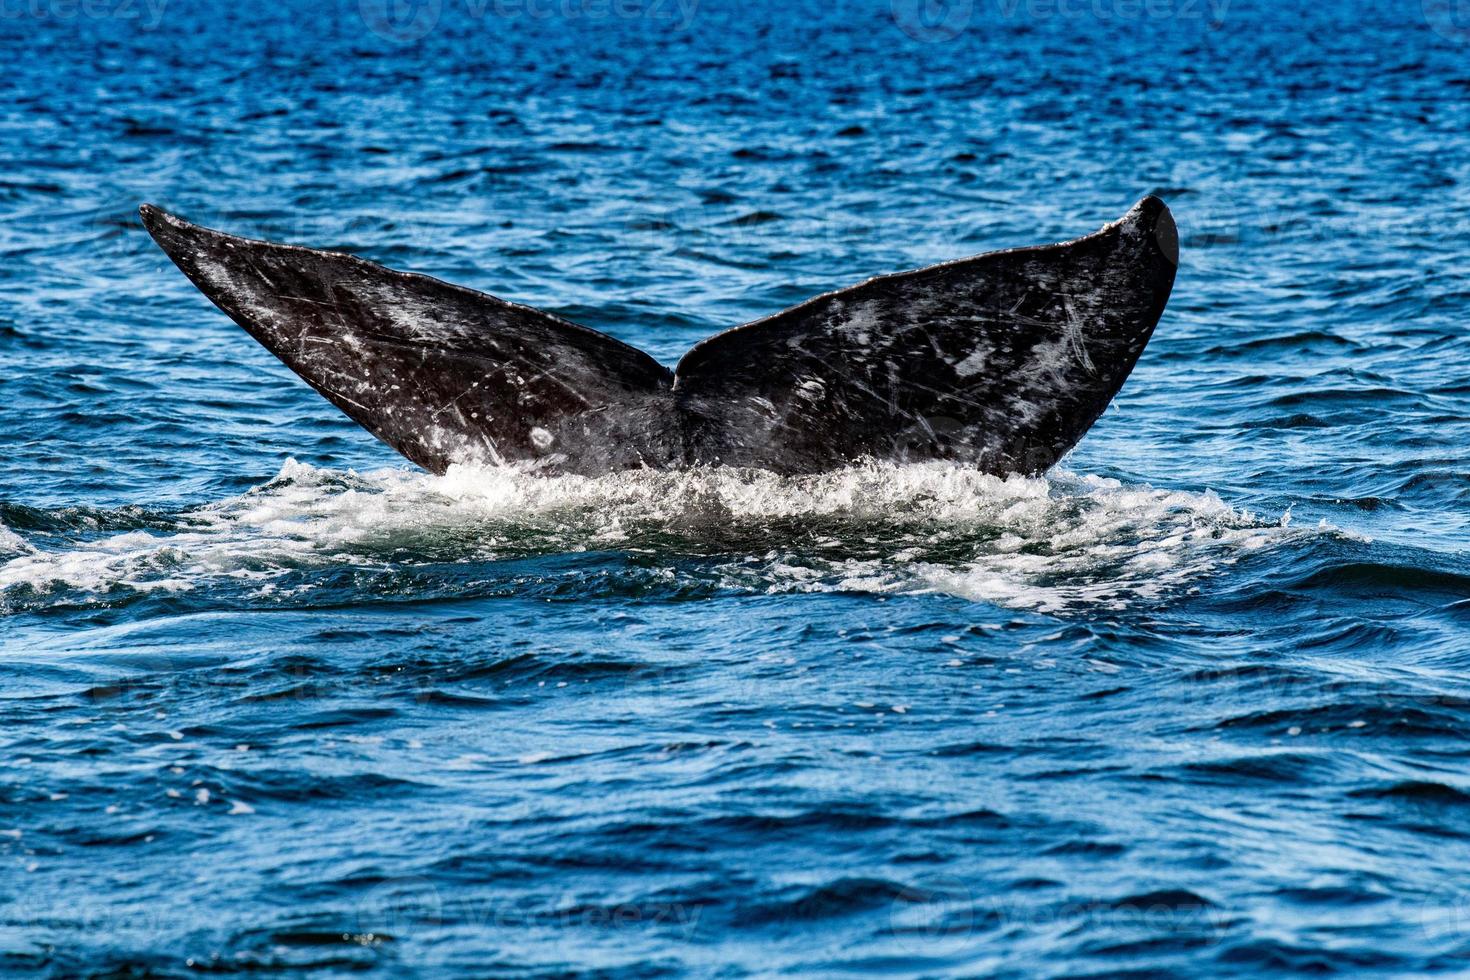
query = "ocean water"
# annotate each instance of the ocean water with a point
(1194, 703)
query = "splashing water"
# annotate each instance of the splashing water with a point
(1039, 543)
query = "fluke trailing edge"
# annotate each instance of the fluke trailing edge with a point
(1001, 361)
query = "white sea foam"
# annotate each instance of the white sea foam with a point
(11, 543)
(1040, 543)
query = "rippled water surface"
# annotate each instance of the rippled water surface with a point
(1193, 703)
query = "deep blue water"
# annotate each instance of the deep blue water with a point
(1193, 704)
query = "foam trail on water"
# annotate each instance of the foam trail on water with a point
(1040, 543)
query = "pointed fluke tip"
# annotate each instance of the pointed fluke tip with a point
(1156, 218)
(170, 232)
(157, 221)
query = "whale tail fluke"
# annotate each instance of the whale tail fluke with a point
(1001, 361)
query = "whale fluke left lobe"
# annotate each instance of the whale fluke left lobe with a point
(439, 372)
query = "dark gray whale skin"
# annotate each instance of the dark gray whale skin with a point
(1001, 361)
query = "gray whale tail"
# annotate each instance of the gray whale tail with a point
(1000, 361)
